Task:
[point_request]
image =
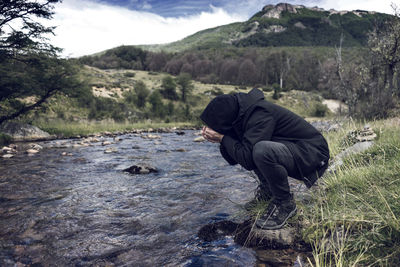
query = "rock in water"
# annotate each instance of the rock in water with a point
(23, 132)
(141, 169)
(199, 139)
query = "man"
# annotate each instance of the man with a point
(272, 141)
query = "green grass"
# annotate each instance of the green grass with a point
(354, 219)
(71, 129)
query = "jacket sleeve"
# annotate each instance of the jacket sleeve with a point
(226, 156)
(260, 127)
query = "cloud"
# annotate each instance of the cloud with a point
(85, 27)
(383, 6)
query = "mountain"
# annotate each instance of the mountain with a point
(284, 25)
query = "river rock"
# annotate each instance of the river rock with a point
(140, 169)
(106, 143)
(32, 151)
(180, 133)
(7, 156)
(199, 139)
(150, 136)
(24, 132)
(36, 146)
(111, 150)
(246, 234)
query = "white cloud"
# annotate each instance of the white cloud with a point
(383, 6)
(85, 27)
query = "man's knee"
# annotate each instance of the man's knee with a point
(262, 152)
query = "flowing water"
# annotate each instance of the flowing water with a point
(83, 210)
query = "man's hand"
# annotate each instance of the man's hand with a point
(211, 135)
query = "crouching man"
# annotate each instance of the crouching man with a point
(272, 141)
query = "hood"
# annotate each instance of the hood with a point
(220, 113)
(245, 101)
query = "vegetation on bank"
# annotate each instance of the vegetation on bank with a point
(72, 129)
(353, 216)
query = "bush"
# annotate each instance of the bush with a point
(129, 74)
(5, 139)
(319, 110)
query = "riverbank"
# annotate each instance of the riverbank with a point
(64, 129)
(353, 216)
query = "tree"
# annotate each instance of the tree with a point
(41, 77)
(184, 80)
(247, 72)
(141, 94)
(18, 29)
(168, 86)
(157, 106)
(29, 66)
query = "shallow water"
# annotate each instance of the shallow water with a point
(84, 210)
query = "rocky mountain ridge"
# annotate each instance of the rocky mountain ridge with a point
(284, 25)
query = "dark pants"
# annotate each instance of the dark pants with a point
(274, 163)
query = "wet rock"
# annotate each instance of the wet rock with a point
(141, 169)
(106, 143)
(66, 154)
(36, 146)
(32, 151)
(246, 234)
(180, 150)
(135, 147)
(111, 150)
(150, 136)
(6, 149)
(199, 139)
(7, 156)
(24, 132)
(180, 133)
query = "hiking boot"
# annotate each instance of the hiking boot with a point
(261, 195)
(276, 215)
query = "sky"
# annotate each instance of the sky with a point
(86, 27)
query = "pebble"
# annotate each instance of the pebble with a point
(199, 139)
(150, 136)
(180, 150)
(110, 150)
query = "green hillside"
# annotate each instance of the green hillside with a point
(284, 25)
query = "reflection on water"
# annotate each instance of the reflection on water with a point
(83, 210)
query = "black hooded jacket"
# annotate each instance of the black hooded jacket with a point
(246, 119)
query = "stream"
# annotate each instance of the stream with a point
(74, 205)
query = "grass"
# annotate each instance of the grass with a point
(354, 218)
(71, 129)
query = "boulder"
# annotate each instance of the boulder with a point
(24, 132)
(246, 234)
(141, 169)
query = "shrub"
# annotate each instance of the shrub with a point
(319, 110)
(5, 139)
(129, 74)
